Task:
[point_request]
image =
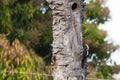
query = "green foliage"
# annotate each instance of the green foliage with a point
(23, 20)
(24, 14)
(105, 72)
(97, 13)
(95, 10)
(17, 63)
(5, 22)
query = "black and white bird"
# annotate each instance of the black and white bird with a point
(85, 54)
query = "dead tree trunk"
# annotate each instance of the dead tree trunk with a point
(67, 40)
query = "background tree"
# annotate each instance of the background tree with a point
(20, 21)
(18, 64)
(100, 50)
(19, 18)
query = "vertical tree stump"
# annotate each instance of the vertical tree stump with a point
(67, 40)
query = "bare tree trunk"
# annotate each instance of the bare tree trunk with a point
(67, 43)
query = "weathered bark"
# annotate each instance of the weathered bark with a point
(67, 40)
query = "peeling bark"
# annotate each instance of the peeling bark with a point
(67, 40)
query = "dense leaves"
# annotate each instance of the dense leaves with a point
(24, 25)
(100, 50)
(23, 20)
(95, 10)
(17, 63)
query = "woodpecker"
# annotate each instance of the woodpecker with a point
(86, 50)
(85, 54)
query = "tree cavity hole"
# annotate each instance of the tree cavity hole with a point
(74, 6)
